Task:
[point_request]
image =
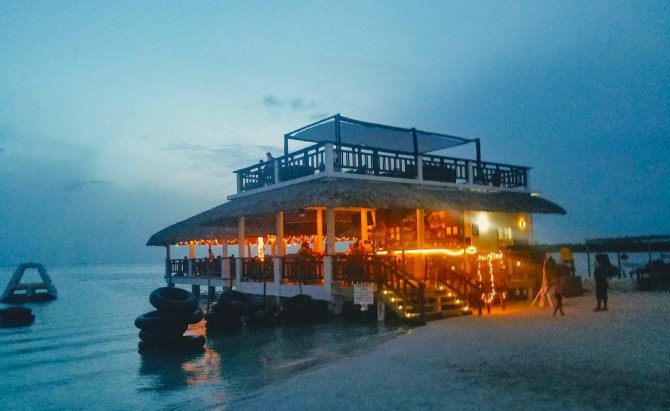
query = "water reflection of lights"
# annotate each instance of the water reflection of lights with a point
(205, 368)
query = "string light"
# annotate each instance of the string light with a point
(268, 239)
(488, 297)
(454, 252)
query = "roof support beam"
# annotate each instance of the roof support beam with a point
(330, 230)
(364, 224)
(318, 242)
(338, 135)
(279, 224)
(415, 143)
(240, 238)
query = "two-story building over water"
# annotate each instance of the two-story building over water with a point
(432, 230)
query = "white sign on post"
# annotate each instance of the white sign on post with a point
(364, 294)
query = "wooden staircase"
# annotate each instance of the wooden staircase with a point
(414, 301)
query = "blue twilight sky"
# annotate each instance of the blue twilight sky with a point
(119, 118)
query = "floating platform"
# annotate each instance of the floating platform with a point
(18, 292)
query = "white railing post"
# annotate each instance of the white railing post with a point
(238, 273)
(225, 268)
(277, 267)
(276, 170)
(328, 272)
(190, 267)
(329, 155)
(419, 167)
(471, 172)
(239, 183)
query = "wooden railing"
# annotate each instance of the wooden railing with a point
(386, 273)
(350, 269)
(465, 287)
(500, 175)
(302, 163)
(371, 161)
(353, 159)
(302, 271)
(201, 268)
(446, 169)
(393, 277)
(256, 270)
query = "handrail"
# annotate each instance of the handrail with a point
(407, 286)
(256, 270)
(458, 282)
(302, 271)
(200, 267)
(358, 159)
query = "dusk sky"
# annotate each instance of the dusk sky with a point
(119, 118)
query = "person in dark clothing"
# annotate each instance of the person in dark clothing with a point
(558, 293)
(602, 271)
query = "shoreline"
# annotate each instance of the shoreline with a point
(615, 359)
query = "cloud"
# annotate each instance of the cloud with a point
(224, 156)
(76, 185)
(299, 103)
(294, 103)
(271, 101)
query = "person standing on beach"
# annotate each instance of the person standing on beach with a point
(558, 293)
(600, 273)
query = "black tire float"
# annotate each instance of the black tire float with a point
(16, 317)
(164, 328)
(173, 300)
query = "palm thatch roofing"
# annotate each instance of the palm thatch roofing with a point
(260, 208)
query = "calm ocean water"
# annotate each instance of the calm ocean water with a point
(81, 352)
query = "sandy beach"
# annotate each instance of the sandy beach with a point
(518, 359)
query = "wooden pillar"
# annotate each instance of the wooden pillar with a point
(401, 237)
(225, 263)
(419, 259)
(330, 230)
(364, 224)
(420, 229)
(279, 230)
(240, 238)
(318, 243)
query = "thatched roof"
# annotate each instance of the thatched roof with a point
(260, 208)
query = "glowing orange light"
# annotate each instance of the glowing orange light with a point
(454, 252)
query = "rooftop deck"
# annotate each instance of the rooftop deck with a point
(358, 161)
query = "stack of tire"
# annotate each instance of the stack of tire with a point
(228, 311)
(164, 328)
